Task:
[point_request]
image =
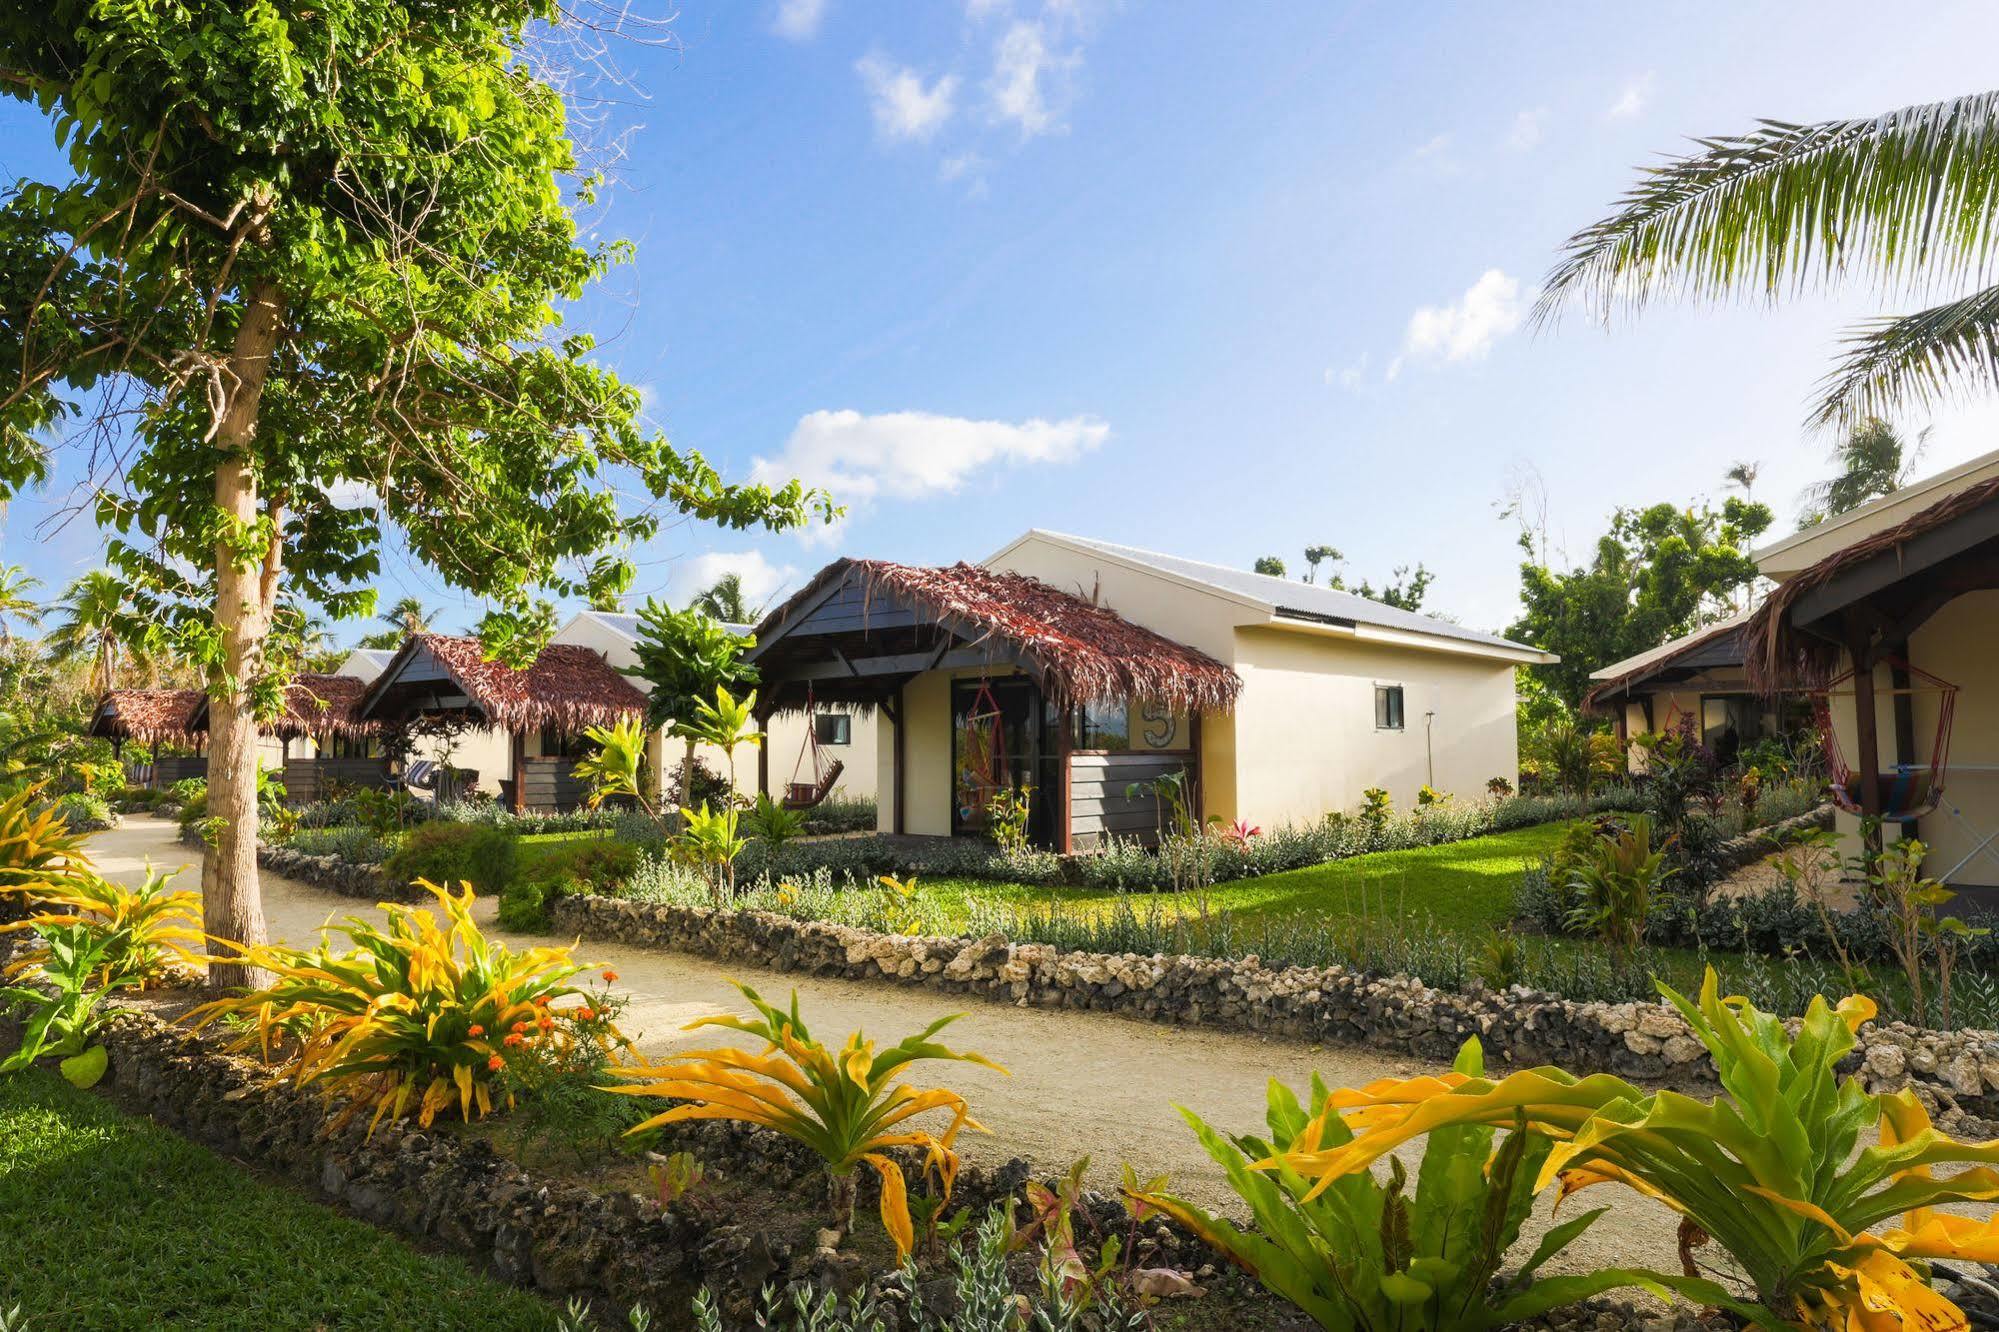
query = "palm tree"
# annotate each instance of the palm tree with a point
(1907, 199)
(1743, 477)
(93, 613)
(1872, 462)
(725, 601)
(408, 616)
(15, 603)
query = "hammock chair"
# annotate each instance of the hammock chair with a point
(980, 774)
(825, 770)
(1908, 790)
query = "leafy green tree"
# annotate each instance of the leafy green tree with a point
(685, 657)
(93, 615)
(15, 603)
(1908, 200)
(1269, 564)
(725, 601)
(325, 242)
(1405, 591)
(1872, 462)
(1316, 555)
(1659, 572)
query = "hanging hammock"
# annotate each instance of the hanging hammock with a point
(825, 771)
(980, 770)
(1908, 790)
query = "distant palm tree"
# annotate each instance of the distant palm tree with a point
(725, 601)
(15, 603)
(407, 616)
(1743, 477)
(1872, 462)
(93, 611)
(1909, 199)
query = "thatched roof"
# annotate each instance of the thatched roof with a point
(316, 705)
(146, 715)
(1780, 655)
(1082, 651)
(569, 686)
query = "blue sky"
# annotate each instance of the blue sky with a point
(1215, 281)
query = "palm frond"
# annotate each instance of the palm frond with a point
(1906, 198)
(1918, 360)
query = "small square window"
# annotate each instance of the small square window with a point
(833, 728)
(1388, 707)
(1103, 726)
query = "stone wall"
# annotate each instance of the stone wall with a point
(334, 874)
(1648, 1043)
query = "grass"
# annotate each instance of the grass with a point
(1465, 887)
(536, 847)
(108, 1221)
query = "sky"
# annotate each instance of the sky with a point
(1218, 282)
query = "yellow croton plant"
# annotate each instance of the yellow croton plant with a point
(1829, 1237)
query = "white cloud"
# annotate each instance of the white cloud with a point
(798, 20)
(351, 494)
(914, 455)
(903, 107)
(762, 580)
(969, 167)
(1491, 308)
(1631, 99)
(1528, 128)
(1030, 82)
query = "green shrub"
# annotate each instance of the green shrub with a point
(84, 811)
(357, 845)
(524, 907)
(189, 788)
(445, 853)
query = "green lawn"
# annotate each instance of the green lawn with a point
(1465, 887)
(537, 846)
(108, 1221)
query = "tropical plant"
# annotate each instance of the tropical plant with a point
(618, 766)
(709, 841)
(1771, 1170)
(726, 722)
(1007, 815)
(62, 1017)
(148, 929)
(1904, 198)
(16, 606)
(1375, 811)
(92, 616)
(675, 1178)
(772, 824)
(1916, 935)
(901, 904)
(444, 852)
(1572, 756)
(849, 1106)
(406, 617)
(1872, 462)
(726, 601)
(1613, 884)
(414, 1016)
(554, 1078)
(685, 657)
(1361, 1255)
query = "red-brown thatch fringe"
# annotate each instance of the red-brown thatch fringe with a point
(1084, 653)
(316, 705)
(1778, 655)
(567, 689)
(146, 715)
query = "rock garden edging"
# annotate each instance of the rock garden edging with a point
(1648, 1043)
(334, 874)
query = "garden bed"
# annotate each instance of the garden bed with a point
(1646, 1042)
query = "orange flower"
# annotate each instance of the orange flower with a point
(520, 1026)
(541, 1001)
(546, 1023)
(514, 1038)
(609, 975)
(476, 1030)
(496, 1063)
(584, 1014)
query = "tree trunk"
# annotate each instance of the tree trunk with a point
(686, 800)
(232, 906)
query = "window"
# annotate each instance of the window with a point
(1388, 707)
(833, 728)
(561, 744)
(1103, 726)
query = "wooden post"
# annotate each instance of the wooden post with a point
(1905, 717)
(1198, 776)
(1867, 738)
(520, 752)
(1065, 741)
(763, 753)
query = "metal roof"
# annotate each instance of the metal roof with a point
(1288, 598)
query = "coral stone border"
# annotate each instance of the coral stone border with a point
(1649, 1043)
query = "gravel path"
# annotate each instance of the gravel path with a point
(1082, 1083)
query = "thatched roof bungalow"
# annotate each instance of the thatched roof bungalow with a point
(149, 716)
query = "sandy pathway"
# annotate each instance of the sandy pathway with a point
(1082, 1083)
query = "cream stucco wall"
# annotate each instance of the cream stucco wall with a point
(1304, 733)
(1956, 644)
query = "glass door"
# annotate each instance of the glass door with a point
(1002, 738)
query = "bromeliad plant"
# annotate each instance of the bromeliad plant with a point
(1768, 1170)
(1360, 1255)
(36, 844)
(415, 1016)
(848, 1105)
(149, 931)
(1614, 884)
